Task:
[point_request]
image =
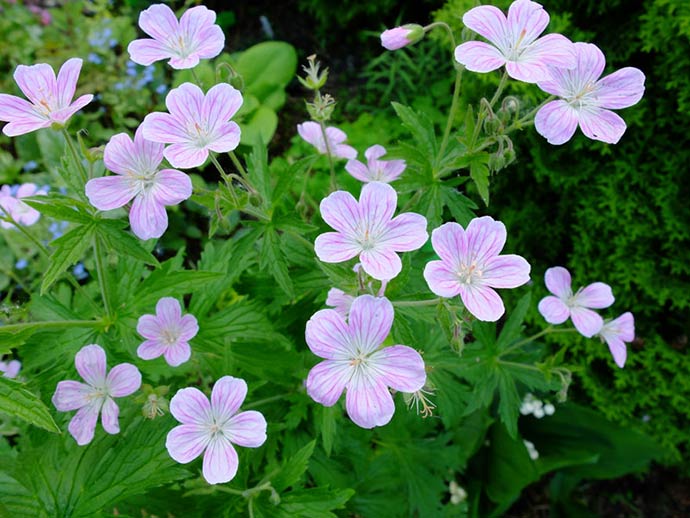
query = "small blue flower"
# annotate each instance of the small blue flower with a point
(80, 272)
(161, 89)
(21, 264)
(94, 58)
(30, 165)
(112, 43)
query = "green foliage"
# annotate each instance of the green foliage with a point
(18, 402)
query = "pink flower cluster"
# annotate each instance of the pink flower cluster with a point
(579, 306)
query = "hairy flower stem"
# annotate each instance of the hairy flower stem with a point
(451, 114)
(244, 177)
(75, 155)
(414, 303)
(334, 186)
(196, 78)
(226, 179)
(499, 90)
(528, 119)
(100, 270)
(532, 338)
(57, 324)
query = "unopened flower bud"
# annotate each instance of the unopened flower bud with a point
(399, 37)
(510, 104)
(315, 78)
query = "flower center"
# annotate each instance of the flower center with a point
(367, 241)
(170, 336)
(469, 274)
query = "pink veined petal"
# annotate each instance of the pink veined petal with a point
(590, 64)
(483, 302)
(527, 71)
(587, 322)
(556, 121)
(38, 83)
(159, 21)
(377, 204)
(553, 310)
(227, 396)
(28, 189)
(558, 83)
(490, 22)
(220, 461)
(164, 128)
(334, 247)
(618, 350)
(120, 155)
(16, 108)
(623, 326)
(478, 56)
(147, 51)
(67, 80)
(597, 295)
(124, 379)
(399, 367)
(405, 233)
(189, 327)
(603, 125)
(344, 151)
(441, 280)
(247, 429)
(558, 282)
(553, 49)
(335, 136)
(621, 89)
(26, 125)
(149, 327)
(70, 395)
(64, 114)
(226, 137)
(151, 349)
(311, 132)
(186, 155)
(220, 104)
(109, 416)
(328, 336)
(528, 18)
(195, 20)
(381, 263)
(358, 170)
(340, 211)
(177, 354)
(450, 243)
(327, 380)
(110, 192)
(186, 442)
(147, 217)
(12, 369)
(182, 63)
(186, 102)
(368, 402)
(90, 363)
(392, 169)
(83, 425)
(339, 301)
(506, 271)
(370, 322)
(168, 312)
(374, 152)
(212, 42)
(485, 239)
(149, 154)
(191, 406)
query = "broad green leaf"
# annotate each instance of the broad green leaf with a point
(270, 62)
(328, 426)
(508, 402)
(16, 401)
(314, 502)
(259, 127)
(293, 468)
(421, 128)
(512, 328)
(479, 172)
(61, 207)
(272, 258)
(122, 242)
(69, 249)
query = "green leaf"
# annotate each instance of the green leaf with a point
(19, 402)
(513, 327)
(122, 242)
(479, 172)
(61, 207)
(272, 258)
(460, 206)
(69, 249)
(421, 128)
(508, 403)
(259, 127)
(327, 426)
(258, 171)
(270, 62)
(293, 468)
(315, 502)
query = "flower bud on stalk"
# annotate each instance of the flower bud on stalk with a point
(399, 37)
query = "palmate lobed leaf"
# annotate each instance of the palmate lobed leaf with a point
(19, 402)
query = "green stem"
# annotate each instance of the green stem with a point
(100, 270)
(223, 174)
(196, 78)
(445, 26)
(415, 303)
(244, 177)
(75, 156)
(322, 125)
(528, 119)
(532, 338)
(499, 90)
(229, 490)
(264, 401)
(451, 114)
(51, 323)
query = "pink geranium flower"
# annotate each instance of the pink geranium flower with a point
(194, 37)
(51, 98)
(15, 208)
(311, 132)
(135, 164)
(375, 170)
(167, 333)
(196, 123)
(514, 42)
(339, 301)
(96, 394)
(356, 362)
(399, 37)
(471, 267)
(557, 309)
(615, 333)
(367, 228)
(214, 427)
(11, 368)
(586, 99)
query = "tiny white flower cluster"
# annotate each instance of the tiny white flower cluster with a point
(457, 493)
(533, 453)
(536, 407)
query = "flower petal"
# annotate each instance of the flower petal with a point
(334, 247)
(190, 406)
(247, 429)
(344, 151)
(38, 83)
(441, 280)
(527, 19)
(186, 155)
(381, 264)
(597, 295)
(483, 302)
(171, 187)
(490, 22)
(368, 402)
(177, 354)
(556, 122)
(159, 21)
(340, 211)
(120, 155)
(328, 336)
(147, 51)
(110, 192)
(587, 322)
(374, 152)
(506, 271)
(83, 425)
(25, 125)
(400, 367)
(195, 20)
(227, 397)
(485, 239)
(449, 243)
(551, 50)
(327, 380)
(90, 363)
(151, 349)
(621, 89)
(558, 282)
(168, 311)
(311, 132)
(618, 350)
(377, 204)
(164, 128)
(553, 310)
(220, 461)
(149, 327)
(147, 217)
(16, 108)
(186, 442)
(189, 327)
(603, 125)
(70, 395)
(123, 379)
(405, 233)
(478, 56)
(220, 104)
(67, 80)
(358, 170)
(211, 42)
(590, 64)
(109, 416)
(226, 137)
(185, 103)
(370, 322)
